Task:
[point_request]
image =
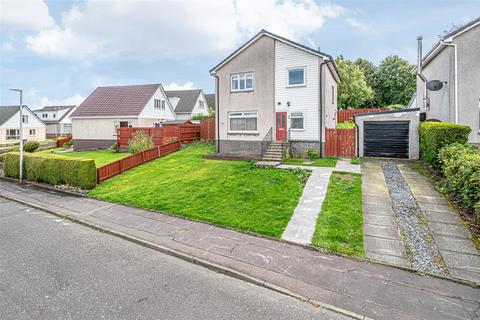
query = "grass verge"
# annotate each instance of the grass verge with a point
(339, 226)
(356, 161)
(235, 194)
(319, 162)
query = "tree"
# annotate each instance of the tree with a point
(353, 90)
(394, 83)
(369, 70)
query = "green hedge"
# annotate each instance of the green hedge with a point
(461, 170)
(52, 169)
(436, 135)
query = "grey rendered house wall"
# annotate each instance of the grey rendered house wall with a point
(442, 102)
(469, 81)
(412, 116)
(258, 58)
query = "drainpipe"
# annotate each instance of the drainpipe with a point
(425, 104)
(449, 43)
(217, 113)
(320, 106)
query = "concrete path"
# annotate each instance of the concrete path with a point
(302, 224)
(452, 237)
(365, 289)
(382, 238)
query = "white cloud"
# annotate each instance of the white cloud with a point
(357, 24)
(175, 86)
(35, 100)
(25, 14)
(7, 46)
(151, 30)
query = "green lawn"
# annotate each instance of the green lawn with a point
(101, 157)
(345, 125)
(340, 224)
(319, 162)
(231, 193)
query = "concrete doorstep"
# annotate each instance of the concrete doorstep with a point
(358, 289)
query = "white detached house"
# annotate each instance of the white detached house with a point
(96, 120)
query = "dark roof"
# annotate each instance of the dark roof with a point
(210, 97)
(55, 108)
(187, 99)
(175, 122)
(116, 101)
(6, 112)
(448, 35)
(272, 35)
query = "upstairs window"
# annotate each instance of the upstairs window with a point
(24, 119)
(201, 105)
(243, 121)
(296, 121)
(54, 115)
(44, 115)
(242, 82)
(159, 103)
(296, 77)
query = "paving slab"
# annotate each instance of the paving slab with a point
(453, 239)
(382, 239)
(367, 289)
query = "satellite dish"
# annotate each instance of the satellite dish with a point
(434, 85)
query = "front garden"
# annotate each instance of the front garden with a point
(101, 157)
(235, 194)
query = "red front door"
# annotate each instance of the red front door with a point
(281, 126)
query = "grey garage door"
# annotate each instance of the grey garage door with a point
(386, 139)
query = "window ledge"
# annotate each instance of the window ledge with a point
(296, 86)
(241, 91)
(243, 133)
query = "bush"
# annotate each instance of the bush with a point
(140, 142)
(31, 146)
(460, 166)
(52, 169)
(312, 153)
(2, 157)
(395, 107)
(436, 135)
(114, 147)
(200, 117)
(68, 144)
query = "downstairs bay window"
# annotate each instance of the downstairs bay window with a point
(242, 121)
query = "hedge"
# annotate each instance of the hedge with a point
(436, 135)
(461, 170)
(52, 169)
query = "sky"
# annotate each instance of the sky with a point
(58, 52)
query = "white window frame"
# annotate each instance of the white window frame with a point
(32, 134)
(25, 118)
(201, 105)
(116, 125)
(242, 115)
(299, 84)
(14, 137)
(68, 125)
(44, 115)
(242, 77)
(162, 104)
(295, 115)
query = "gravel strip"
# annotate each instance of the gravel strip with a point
(420, 246)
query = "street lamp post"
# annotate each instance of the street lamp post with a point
(20, 172)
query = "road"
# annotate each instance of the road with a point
(51, 268)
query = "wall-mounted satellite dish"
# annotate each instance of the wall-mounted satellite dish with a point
(434, 85)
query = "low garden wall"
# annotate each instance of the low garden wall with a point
(52, 169)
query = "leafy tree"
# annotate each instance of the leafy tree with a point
(394, 84)
(353, 90)
(369, 70)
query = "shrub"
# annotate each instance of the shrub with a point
(68, 144)
(2, 157)
(312, 153)
(436, 135)
(31, 146)
(114, 147)
(171, 139)
(200, 117)
(395, 107)
(461, 169)
(140, 142)
(53, 169)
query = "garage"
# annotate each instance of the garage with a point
(389, 134)
(386, 139)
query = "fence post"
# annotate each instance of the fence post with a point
(143, 156)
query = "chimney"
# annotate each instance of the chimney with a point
(419, 55)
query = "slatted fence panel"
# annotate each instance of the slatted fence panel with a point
(340, 142)
(347, 115)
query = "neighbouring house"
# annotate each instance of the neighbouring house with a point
(96, 120)
(455, 62)
(188, 103)
(274, 89)
(210, 100)
(33, 127)
(57, 119)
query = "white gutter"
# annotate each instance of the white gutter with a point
(454, 45)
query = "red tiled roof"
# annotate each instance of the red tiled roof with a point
(116, 101)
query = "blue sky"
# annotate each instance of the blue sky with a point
(59, 51)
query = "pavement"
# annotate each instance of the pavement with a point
(361, 289)
(301, 227)
(51, 268)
